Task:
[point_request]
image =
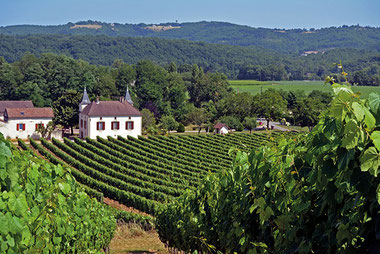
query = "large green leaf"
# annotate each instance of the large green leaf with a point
(375, 136)
(370, 160)
(352, 134)
(65, 187)
(374, 102)
(369, 119)
(338, 109)
(358, 111)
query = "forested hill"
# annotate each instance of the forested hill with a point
(294, 41)
(231, 60)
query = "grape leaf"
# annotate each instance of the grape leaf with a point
(370, 160)
(374, 102)
(375, 136)
(358, 111)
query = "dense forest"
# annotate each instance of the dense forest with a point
(235, 61)
(293, 41)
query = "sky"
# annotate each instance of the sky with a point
(255, 13)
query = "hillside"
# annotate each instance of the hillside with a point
(231, 60)
(294, 41)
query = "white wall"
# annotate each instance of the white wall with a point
(92, 132)
(9, 129)
(223, 130)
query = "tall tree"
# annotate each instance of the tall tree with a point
(307, 111)
(168, 123)
(269, 104)
(66, 109)
(250, 123)
(148, 118)
(197, 116)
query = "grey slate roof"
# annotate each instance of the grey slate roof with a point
(85, 99)
(128, 97)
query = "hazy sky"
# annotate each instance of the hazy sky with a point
(256, 13)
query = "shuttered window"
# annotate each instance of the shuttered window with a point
(115, 125)
(39, 125)
(129, 125)
(20, 127)
(100, 126)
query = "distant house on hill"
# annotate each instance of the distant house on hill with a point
(23, 122)
(109, 118)
(221, 128)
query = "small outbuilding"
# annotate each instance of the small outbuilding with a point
(221, 128)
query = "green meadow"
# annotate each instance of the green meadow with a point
(254, 86)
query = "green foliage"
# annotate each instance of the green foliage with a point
(197, 116)
(284, 40)
(239, 105)
(180, 128)
(250, 123)
(313, 194)
(168, 123)
(232, 122)
(66, 109)
(307, 110)
(147, 118)
(43, 210)
(269, 104)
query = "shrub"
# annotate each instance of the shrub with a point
(181, 128)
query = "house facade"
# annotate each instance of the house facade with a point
(221, 128)
(23, 123)
(109, 118)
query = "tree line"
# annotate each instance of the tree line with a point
(166, 95)
(234, 61)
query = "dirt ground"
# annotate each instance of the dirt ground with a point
(130, 238)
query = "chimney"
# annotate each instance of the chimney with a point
(97, 100)
(122, 99)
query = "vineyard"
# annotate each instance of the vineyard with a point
(147, 173)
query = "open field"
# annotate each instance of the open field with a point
(254, 87)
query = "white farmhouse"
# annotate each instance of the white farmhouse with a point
(221, 128)
(109, 118)
(23, 122)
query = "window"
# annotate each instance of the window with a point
(129, 125)
(39, 125)
(81, 123)
(115, 125)
(85, 124)
(20, 127)
(100, 126)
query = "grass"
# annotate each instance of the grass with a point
(254, 87)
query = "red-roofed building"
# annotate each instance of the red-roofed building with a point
(14, 104)
(23, 122)
(109, 118)
(221, 128)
